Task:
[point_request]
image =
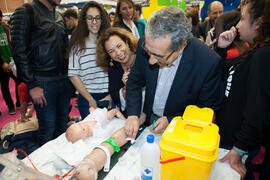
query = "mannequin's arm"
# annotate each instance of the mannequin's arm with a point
(115, 112)
(97, 158)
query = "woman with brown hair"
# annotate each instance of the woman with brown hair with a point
(193, 17)
(116, 52)
(124, 18)
(89, 79)
(244, 119)
(224, 23)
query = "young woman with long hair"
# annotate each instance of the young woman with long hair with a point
(88, 79)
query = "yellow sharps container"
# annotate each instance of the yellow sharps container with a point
(189, 146)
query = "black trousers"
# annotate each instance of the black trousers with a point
(265, 172)
(4, 81)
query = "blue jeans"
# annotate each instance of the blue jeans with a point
(83, 104)
(53, 117)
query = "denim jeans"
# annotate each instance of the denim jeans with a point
(53, 117)
(83, 104)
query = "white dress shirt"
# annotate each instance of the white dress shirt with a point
(133, 28)
(165, 79)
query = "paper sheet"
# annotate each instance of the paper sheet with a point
(58, 156)
(128, 167)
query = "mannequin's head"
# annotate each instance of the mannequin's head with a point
(87, 170)
(79, 131)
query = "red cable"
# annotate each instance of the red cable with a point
(27, 158)
(172, 160)
(69, 172)
(57, 175)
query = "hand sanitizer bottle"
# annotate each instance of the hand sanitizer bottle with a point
(150, 157)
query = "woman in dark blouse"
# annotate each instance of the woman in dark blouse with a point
(116, 52)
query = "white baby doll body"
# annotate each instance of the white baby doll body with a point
(101, 128)
(95, 124)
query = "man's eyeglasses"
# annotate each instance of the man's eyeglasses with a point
(91, 18)
(157, 56)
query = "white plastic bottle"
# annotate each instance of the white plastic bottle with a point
(150, 157)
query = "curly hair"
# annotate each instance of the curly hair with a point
(103, 58)
(118, 16)
(227, 20)
(260, 10)
(81, 32)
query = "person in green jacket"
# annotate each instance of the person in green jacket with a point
(5, 70)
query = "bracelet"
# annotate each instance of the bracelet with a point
(239, 151)
(110, 141)
(108, 155)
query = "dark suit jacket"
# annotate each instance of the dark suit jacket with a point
(197, 81)
(140, 26)
(203, 28)
(115, 82)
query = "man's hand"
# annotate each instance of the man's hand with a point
(209, 39)
(226, 38)
(201, 38)
(160, 125)
(38, 96)
(235, 161)
(132, 126)
(6, 67)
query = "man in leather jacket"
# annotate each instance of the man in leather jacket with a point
(39, 40)
(215, 9)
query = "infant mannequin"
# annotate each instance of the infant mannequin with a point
(93, 162)
(92, 124)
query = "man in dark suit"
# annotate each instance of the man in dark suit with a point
(176, 69)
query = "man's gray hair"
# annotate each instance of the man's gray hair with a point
(170, 21)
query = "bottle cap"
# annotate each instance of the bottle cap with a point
(150, 138)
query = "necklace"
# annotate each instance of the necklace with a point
(130, 63)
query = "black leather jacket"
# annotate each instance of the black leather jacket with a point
(39, 41)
